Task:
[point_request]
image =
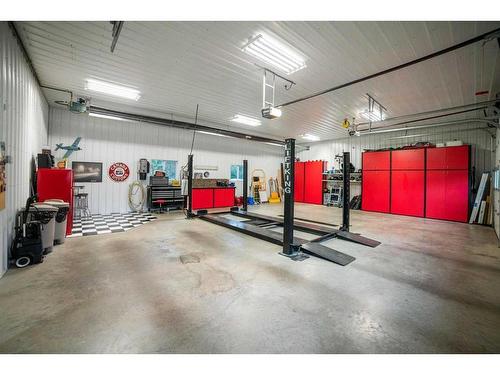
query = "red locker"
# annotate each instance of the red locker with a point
(406, 160)
(457, 195)
(457, 157)
(203, 198)
(454, 157)
(224, 197)
(57, 184)
(447, 195)
(299, 182)
(435, 205)
(376, 191)
(313, 182)
(376, 161)
(436, 158)
(407, 193)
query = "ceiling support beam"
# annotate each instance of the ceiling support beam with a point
(117, 29)
(476, 39)
(182, 125)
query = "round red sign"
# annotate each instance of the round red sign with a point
(118, 172)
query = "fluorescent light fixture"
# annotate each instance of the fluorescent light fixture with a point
(109, 117)
(274, 144)
(372, 116)
(310, 137)
(276, 53)
(250, 121)
(211, 133)
(271, 112)
(112, 89)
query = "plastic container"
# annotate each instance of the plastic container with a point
(45, 214)
(61, 219)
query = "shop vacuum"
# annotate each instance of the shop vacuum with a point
(27, 247)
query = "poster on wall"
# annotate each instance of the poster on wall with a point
(84, 171)
(167, 166)
(118, 172)
(3, 181)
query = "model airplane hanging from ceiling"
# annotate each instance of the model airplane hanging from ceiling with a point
(69, 149)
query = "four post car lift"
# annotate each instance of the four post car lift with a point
(259, 226)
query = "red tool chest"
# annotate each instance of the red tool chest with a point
(299, 182)
(447, 184)
(56, 184)
(224, 197)
(375, 184)
(313, 181)
(213, 197)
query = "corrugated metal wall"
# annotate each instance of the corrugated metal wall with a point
(23, 127)
(481, 139)
(110, 141)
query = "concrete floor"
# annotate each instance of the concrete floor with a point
(178, 286)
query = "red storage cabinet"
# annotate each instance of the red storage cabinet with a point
(224, 197)
(407, 193)
(453, 157)
(408, 160)
(376, 191)
(447, 183)
(299, 182)
(57, 184)
(313, 181)
(447, 195)
(202, 198)
(376, 161)
(435, 205)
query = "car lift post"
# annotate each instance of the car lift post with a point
(289, 248)
(346, 169)
(245, 185)
(190, 187)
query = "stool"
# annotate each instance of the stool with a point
(81, 205)
(160, 202)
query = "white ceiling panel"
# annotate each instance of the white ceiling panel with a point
(177, 65)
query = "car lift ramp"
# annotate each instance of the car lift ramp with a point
(295, 248)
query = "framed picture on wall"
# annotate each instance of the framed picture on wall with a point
(84, 171)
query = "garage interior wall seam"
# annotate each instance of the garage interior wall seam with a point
(23, 128)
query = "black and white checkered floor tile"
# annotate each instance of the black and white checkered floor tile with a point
(113, 223)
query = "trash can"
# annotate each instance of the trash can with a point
(61, 218)
(45, 214)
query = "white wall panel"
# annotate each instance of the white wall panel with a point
(481, 140)
(108, 141)
(23, 127)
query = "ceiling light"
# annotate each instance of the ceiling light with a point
(274, 144)
(271, 112)
(112, 89)
(217, 134)
(310, 137)
(372, 116)
(246, 120)
(109, 117)
(275, 53)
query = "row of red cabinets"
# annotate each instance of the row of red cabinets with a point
(431, 182)
(440, 158)
(309, 181)
(213, 197)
